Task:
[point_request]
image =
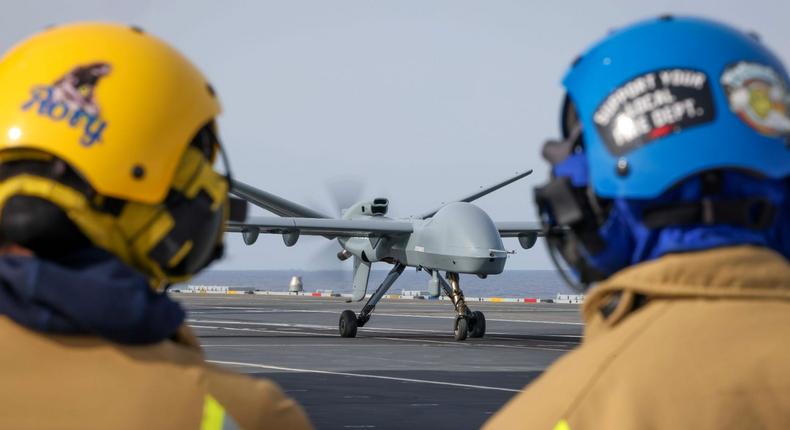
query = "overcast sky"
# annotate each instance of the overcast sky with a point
(421, 100)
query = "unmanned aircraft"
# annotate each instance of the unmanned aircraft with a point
(457, 237)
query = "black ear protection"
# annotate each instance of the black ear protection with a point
(198, 223)
(570, 215)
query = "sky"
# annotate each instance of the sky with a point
(420, 101)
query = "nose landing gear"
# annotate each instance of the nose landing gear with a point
(467, 323)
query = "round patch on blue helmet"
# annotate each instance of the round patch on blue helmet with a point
(758, 96)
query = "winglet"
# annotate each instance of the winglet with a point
(274, 204)
(483, 192)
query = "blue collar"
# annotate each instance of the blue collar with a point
(90, 292)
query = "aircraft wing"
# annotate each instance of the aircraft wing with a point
(483, 191)
(518, 228)
(321, 227)
(526, 232)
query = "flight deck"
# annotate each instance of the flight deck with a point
(403, 370)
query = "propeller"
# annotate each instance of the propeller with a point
(341, 193)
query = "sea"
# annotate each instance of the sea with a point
(512, 283)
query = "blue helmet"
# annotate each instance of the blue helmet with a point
(669, 97)
(676, 137)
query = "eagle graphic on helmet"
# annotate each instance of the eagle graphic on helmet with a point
(71, 99)
(76, 87)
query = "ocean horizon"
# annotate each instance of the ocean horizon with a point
(511, 283)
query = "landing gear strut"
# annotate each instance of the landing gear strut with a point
(349, 321)
(467, 323)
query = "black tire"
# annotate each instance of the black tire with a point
(348, 324)
(461, 329)
(478, 325)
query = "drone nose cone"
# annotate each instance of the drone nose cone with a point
(459, 238)
(464, 227)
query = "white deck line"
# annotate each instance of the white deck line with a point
(376, 330)
(361, 375)
(308, 311)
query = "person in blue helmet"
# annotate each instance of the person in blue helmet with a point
(671, 186)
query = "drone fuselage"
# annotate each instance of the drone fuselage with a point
(459, 238)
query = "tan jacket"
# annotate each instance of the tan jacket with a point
(82, 382)
(710, 349)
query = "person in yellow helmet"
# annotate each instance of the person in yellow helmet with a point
(108, 194)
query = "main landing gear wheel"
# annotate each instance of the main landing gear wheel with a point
(461, 329)
(478, 326)
(348, 324)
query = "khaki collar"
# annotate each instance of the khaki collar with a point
(747, 272)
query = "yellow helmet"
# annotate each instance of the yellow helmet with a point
(115, 129)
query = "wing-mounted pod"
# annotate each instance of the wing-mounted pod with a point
(290, 237)
(361, 276)
(250, 235)
(527, 240)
